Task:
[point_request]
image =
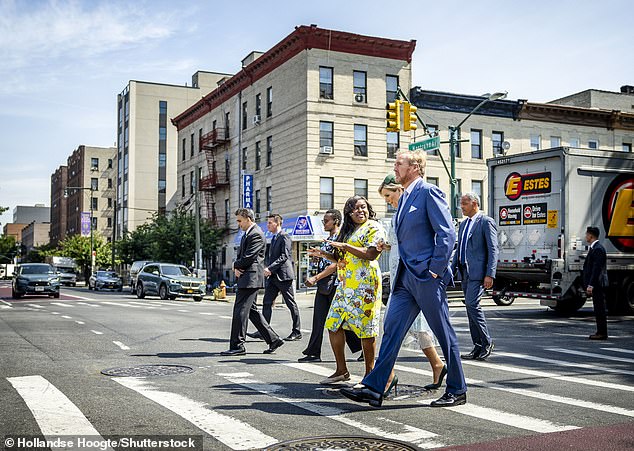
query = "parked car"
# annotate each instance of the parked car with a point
(67, 277)
(35, 278)
(105, 279)
(169, 281)
(134, 271)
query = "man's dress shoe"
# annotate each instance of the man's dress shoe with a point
(598, 337)
(232, 352)
(309, 358)
(363, 394)
(293, 337)
(273, 346)
(450, 400)
(486, 352)
(475, 352)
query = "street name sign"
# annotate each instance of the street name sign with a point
(426, 144)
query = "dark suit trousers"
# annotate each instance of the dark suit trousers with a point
(244, 310)
(320, 313)
(274, 286)
(473, 291)
(598, 301)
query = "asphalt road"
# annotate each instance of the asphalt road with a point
(545, 386)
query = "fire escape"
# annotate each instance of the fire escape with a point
(212, 143)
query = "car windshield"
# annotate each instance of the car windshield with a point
(176, 271)
(106, 274)
(37, 269)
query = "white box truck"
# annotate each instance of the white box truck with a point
(542, 203)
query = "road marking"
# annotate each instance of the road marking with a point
(120, 304)
(206, 313)
(627, 351)
(67, 317)
(55, 313)
(320, 370)
(36, 306)
(549, 375)
(96, 332)
(61, 304)
(183, 311)
(509, 419)
(532, 394)
(399, 431)
(5, 302)
(230, 431)
(5, 307)
(225, 317)
(566, 364)
(88, 304)
(591, 354)
(121, 345)
(80, 322)
(54, 412)
(78, 297)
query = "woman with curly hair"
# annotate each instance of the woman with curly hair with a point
(357, 302)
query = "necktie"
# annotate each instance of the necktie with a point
(402, 205)
(463, 242)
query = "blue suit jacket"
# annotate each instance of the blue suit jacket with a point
(482, 248)
(425, 233)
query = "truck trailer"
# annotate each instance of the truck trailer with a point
(542, 203)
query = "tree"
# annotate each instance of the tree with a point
(8, 248)
(78, 247)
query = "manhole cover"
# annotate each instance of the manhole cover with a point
(148, 370)
(341, 443)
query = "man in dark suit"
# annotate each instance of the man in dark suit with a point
(426, 237)
(249, 270)
(476, 258)
(280, 275)
(595, 281)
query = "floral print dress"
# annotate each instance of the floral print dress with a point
(357, 302)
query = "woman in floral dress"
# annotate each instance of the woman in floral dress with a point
(357, 302)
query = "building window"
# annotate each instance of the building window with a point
(269, 151)
(244, 115)
(326, 138)
(359, 87)
(94, 184)
(191, 145)
(476, 144)
(269, 199)
(257, 202)
(593, 144)
(432, 129)
(535, 140)
(227, 212)
(391, 88)
(326, 193)
(184, 149)
(258, 156)
(200, 138)
(555, 141)
(183, 185)
(497, 138)
(432, 180)
(191, 182)
(269, 101)
(109, 163)
(477, 188)
(109, 183)
(162, 185)
(360, 140)
(244, 158)
(361, 187)
(325, 83)
(392, 144)
(94, 164)
(94, 223)
(227, 124)
(110, 202)
(626, 147)
(258, 105)
(109, 222)
(574, 142)
(94, 203)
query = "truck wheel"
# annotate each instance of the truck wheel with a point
(503, 298)
(140, 292)
(627, 293)
(163, 294)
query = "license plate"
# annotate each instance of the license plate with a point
(39, 288)
(190, 291)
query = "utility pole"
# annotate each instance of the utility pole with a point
(197, 216)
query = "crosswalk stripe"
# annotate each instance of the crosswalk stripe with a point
(230, 431)
(121, 345)
(509, 419)
(61, 304)
(626, 351)
(96, 332)
(549, 375)
(588, 366)
(67, 317)
(36, 306)
(403, 432)
(225, 317)
(183, 311)
(591, 354)
(88, 304)
(5, 307)
(54, 412)
(532, 394)
(121, 304)
(206, 313)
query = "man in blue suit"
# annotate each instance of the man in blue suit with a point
(476, 258)
(426, 237)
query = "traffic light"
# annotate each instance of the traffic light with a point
(393, 116)
(409, 116)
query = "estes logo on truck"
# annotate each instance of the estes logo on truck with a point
(618, 213)
(517, 185)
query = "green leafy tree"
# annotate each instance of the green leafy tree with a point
(8, 248)
(78, 247)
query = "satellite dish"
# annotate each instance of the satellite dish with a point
(506, 145)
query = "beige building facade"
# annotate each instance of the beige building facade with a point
(297, 131)
(147, 145)
(34, 235)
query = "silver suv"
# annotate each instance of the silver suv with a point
(134, 271)
(169, 281)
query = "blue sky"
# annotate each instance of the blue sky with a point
(64, 62)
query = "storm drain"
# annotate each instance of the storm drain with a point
(341, 443)
(148, 370)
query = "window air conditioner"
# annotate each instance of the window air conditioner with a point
(359, 98)
(256, 119)
(326, 150)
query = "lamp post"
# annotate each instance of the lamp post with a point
(454, 131)
(92, 190)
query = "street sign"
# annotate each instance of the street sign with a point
(426, 144)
